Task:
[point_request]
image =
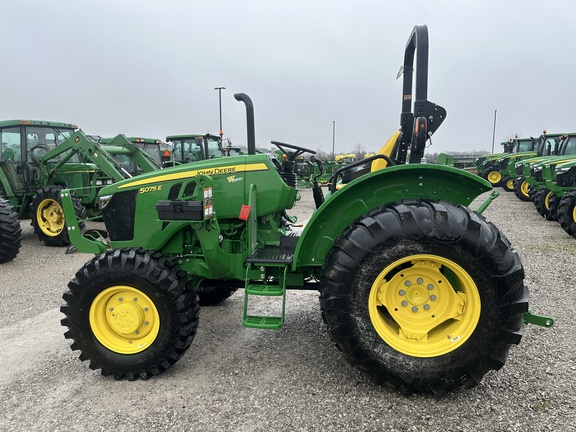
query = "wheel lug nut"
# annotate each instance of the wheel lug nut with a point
(145, 309)
(404, 303)
(420, 280)
(137, 331)
(432, 297)
(401, 292)
(120, 299)
(426, 306)
(111, 309)
(430, 286)
(134, 299)
(146, 322)
(407, 283)
(414, 309)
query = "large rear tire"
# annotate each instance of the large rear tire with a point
(47, 216)
(424, 296)
(131, 312)
(10, 232)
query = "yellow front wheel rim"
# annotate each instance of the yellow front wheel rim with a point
(50, 217)
(124, 319)
(494, 177)
(524, 188)
(547, 200)
(510, 184)
(424, 305)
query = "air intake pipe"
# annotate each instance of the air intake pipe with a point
(242, 97)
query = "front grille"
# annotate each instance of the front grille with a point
(538, 175)
(119, 216)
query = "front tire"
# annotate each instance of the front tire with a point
(131, 312)
(424, 296)
(567, 213)
(508, 184)
(10, 232)
(542, 202)
(47, 216)
(521, 187)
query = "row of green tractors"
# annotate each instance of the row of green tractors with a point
(417, 290)
(544, 173)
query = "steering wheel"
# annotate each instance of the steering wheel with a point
(294, 155)
(38, 147)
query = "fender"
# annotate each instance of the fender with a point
(377, 189)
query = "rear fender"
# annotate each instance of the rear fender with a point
(377, 189)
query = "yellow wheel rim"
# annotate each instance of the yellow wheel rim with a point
(424, 305)
(524, 188)
(547, 200)
(574, 214)
(50, 217)
(494, 177)
(510, 184)
(124, 319)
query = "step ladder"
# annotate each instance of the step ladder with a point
(272, 270)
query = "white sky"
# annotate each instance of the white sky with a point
(149, 68)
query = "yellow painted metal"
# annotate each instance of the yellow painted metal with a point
(494, 177)
(547, 200)
(524, 186)
(385, 150)
(124, 319)
(510, 184)
(50, 217)
(424, 305)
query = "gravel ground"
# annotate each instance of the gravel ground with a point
(240, 379)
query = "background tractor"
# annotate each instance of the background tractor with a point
(38, 159)
(417, 290)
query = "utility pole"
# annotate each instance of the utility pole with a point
(494, 130)
(220, 108)
(333, 138)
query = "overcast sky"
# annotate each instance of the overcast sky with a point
(149, 68)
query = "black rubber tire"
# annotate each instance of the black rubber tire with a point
(565, 215)
(507, 184)
(154, 275)
(553, 201)
(520, 186)
(214, 292)
(542, 203)
(10, 232)
(51, 194)
(399, 231)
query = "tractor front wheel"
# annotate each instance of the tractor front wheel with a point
(542, 202)
(493, 176)
(567, 213)
(424, 296)
(47, 216)
(10, 232)
(131, 312)
(508, 184)
(521, 187)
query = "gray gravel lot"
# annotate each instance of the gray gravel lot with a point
(240, 379)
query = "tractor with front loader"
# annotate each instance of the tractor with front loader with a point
(38, 159)
(417, 290)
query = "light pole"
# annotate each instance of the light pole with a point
(494, 130)
(333, 138)
(220, 108)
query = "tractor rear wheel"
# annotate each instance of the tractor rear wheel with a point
(47, 216)
(567, 213)
(542, 202)
(424, 296)
(131, 312)
(10, 232)
(521, 187)
(508, 184)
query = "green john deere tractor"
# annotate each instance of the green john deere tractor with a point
(417, 290)
(10, 232)
(38, 159)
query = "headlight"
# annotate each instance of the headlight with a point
(562, 170)
(104, 201)
(537, 168)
